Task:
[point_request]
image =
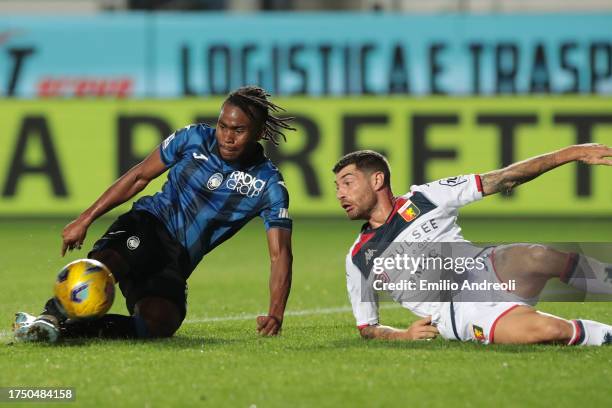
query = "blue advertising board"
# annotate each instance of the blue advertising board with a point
(171, 55)
(102, 55)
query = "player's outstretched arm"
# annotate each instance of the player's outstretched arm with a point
(504, 180)
(281, 260)
(126, 187)
(419, 330)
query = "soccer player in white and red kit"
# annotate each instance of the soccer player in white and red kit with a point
(428, 214)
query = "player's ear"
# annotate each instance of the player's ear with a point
(259, 127)
(378, 180)
(258, 131)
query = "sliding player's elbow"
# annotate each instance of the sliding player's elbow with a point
(366, 332)
(140, 183)
(363, 334)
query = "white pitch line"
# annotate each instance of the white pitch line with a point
(306, 312)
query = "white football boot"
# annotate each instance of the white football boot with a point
(23, 319)
(28, 328)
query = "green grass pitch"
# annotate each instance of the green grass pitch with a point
(216, 359)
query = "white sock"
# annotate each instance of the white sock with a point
(588, 274)
(590, 333)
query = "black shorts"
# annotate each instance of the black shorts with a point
(157, 265)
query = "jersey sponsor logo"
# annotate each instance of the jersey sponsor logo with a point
(409, 211)
(245, 184)
(422, 232)
(214, 181)
(478, 333)
(453, 181)
(199, 156)
(133, 242)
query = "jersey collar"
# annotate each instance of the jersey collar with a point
(367, 228)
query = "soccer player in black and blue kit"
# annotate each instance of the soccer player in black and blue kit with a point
(219, 179)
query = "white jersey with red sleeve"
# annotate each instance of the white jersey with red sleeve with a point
(447, 195)
(427, 213)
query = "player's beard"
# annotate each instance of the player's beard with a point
(363, 207)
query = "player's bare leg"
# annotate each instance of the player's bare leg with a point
(532, 265)
(113, 261)
(525, 325)
(160, 315)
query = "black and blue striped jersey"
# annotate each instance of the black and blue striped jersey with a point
(206, 200)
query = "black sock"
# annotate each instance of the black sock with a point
(110, 326)
(51, 308)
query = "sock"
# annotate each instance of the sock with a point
(51, 308)
(110, 326)
(588, 274)
(590, 333)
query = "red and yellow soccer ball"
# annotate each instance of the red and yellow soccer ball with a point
(84, 289)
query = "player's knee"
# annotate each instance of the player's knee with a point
(113, 261)
(537, 256)
(161, 317)
(160, 329)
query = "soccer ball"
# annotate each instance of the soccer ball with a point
(84, 289)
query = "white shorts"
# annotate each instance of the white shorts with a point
(473, 321)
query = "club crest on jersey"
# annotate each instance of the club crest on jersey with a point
(214, 181)
(409, 211)
(133, 242)
(245, 184)
(478, 333)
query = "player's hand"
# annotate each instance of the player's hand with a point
(594, 153)
(269, 325)
(422, 330)
(73, 235)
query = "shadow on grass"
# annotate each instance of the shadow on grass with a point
(440, 344)
(175, 342)
(297, 343)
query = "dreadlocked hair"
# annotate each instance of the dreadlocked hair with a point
(253, 101)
